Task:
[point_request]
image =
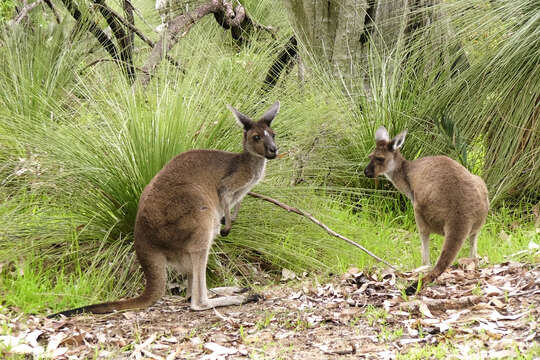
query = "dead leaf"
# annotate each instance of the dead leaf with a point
(495, 316)
(424, 310)
(490, 290)
(497, 303)
(287, 275)
(468, 264)
(217, 349)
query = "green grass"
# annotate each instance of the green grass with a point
(445, 350)
(439, 351)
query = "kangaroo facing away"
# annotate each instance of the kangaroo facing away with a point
(180, 212)
(447, 199)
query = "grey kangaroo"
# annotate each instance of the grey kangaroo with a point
(180, 212)
(447, 199)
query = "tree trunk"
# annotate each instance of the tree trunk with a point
(331, 31)
(336, 32)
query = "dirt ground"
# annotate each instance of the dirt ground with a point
(470, 312)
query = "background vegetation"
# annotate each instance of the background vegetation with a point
(78, 144)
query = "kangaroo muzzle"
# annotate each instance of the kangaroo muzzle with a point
(271, 152)
(368, 171)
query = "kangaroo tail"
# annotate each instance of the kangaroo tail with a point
(452, 243)
(155, 272)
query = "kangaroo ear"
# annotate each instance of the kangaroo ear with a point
(397, 141)
(270, 114)
(242, 119)
(382, 134)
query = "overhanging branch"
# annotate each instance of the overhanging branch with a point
(102, 38)
(122, 38)
(235, 19)
(178, 27)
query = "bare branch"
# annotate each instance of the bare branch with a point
(128, 11)
(284, 61)
(25, 10)
(53, 9)
(314, 220)
(139, 15)
(237, 20)
(178, 27)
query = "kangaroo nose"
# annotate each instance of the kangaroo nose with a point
(272, 150)
(368, 173)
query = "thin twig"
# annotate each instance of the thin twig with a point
(53, 9)
(313, 219)
(97, 61)
(521, 293)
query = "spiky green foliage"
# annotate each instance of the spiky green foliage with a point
(496, 101)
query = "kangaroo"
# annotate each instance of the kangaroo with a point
(180, 212)
(447, 199)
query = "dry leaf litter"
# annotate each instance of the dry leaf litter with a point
(490, 312)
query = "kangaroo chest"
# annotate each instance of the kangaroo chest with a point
(242, 190)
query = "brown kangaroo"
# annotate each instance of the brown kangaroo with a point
(447, 199)
(180, 211)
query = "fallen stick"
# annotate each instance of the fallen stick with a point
(136, 354)
(328, 230)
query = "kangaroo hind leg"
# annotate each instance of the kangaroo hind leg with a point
(199, 291)
(424, 231)
(473, 241)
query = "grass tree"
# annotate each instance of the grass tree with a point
(497, 100)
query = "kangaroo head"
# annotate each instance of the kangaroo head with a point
(258, 136)
(383, 158)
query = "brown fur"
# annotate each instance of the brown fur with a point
(447, 199)
(180, 211)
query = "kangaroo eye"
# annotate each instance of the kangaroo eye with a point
(273, 136)
(256, 138)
